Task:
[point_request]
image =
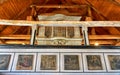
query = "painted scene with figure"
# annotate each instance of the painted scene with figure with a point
(114, 61)
(71, 62)
(48, 62)
(4, 62)
(94, 62)
(25, 62)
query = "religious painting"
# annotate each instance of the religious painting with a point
(4, 62)
(94, 62)
(71, 62)
(48, 62)
(114, 61)
(25, 62)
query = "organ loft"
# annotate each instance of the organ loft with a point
(63, 37)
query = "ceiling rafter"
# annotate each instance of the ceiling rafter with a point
(69, 3)
(15, 17)
(45, 2)
(116, 2)
(112, 30)
(96, 10)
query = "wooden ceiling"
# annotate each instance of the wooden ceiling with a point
(100, 10)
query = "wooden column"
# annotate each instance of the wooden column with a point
(34, 13)
(32, 39)
(85, 35)
(89, 14)
(34, 27)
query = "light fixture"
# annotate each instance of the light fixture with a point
(96, 44)
(23, 43)
(59, 6)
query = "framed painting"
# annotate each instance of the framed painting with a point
(113, 62)
(6, 61)
(24, 62)
(71, 62)
(48, 62)
(94, 62)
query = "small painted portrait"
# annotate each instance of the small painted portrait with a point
(25, 62)
(114, 61)
(4, 62)
(94, 62)
(48, 62)
(71, 62)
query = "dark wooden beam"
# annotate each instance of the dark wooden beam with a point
(58, 6)
(104, 37)
(69, 14)
(23, 42)
(91, 37)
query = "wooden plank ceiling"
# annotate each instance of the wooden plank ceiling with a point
(100, 10)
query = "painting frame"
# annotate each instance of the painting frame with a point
(102, 62)
(62, 55)
(38, 68)
(10, 61)
(108, 64)
(16, 60)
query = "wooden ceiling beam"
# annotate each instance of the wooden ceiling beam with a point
(27, 37)
(91, 37)
(69, 3)
(61, 23)
(17, 42)
(17, 16)
(69, 14)
(92, 7)
(59, 6)
(104, 37)
(103, 42)
(111, 42)
(113, 30)
(116, 2)
(117, 44)
(93, 32)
